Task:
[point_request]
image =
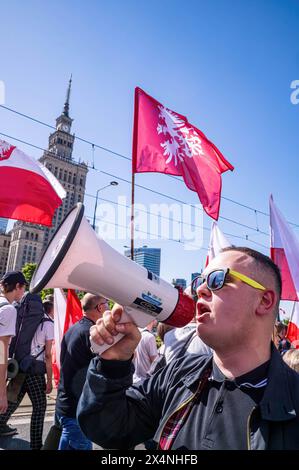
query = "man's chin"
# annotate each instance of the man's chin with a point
(203, 333)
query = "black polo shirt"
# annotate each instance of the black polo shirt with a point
(75, 357)
(219, 417)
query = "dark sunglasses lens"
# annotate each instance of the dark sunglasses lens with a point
(216, 280)
(198, 281)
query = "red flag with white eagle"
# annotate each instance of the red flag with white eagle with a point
(165, 142)
(28, 190)
(66, 313)
(285, 253)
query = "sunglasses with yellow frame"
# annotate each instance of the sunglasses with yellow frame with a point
(216, 279)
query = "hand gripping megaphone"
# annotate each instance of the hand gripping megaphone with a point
(76, 258)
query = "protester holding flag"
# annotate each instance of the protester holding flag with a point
(74, 361)
(236, 398)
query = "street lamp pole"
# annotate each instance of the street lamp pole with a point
(112, 183)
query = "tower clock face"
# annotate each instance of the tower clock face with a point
(65, 127)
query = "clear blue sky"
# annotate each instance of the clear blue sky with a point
(227, 65)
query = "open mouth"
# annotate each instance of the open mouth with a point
(202, 309)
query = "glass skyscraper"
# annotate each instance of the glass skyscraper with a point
(149, 258)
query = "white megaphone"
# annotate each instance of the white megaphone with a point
(76, 258)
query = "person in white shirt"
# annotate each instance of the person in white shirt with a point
(41, 345)
(12, 288)
(34, 383)
(145, 353)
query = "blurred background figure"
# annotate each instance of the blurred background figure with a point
(12, 288)
(146, 352)
(74, 359)
(279, 337)
(291, 358)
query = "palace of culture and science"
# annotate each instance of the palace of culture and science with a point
(26, 242)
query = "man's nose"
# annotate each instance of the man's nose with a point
(203, 291)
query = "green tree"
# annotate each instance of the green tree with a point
(28, 271)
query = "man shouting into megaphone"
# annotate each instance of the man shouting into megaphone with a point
(241, 396)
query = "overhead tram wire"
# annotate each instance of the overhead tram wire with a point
(94, 145)
(140, 186)
(178, 221)
(184, 202)
(152, 234)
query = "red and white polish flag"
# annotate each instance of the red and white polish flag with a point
(165, 142)
(66, 313)
(218, 241)
(28, 190)
(59, 321)
(285, 253)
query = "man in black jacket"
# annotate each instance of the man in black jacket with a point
(74, 358)
(240, 397)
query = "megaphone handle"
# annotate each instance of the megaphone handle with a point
(98, 349)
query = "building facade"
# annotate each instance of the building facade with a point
(180, 283)
(3, 225)
(149, 258)
(58, 159)
(71, 175)
(26, 245)
(4, 250)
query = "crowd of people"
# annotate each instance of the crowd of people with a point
(227, 380)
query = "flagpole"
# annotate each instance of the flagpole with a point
(293, 310)
(132, 214)
(134, 156)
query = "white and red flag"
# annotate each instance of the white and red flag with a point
(218, 241)
(285, 253)
(28, 190)
(66, 313)
(165, 142)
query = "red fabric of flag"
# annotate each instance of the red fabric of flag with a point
(28, 190)
(165, 142)
(73, 310)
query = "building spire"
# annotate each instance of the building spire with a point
(67, 99)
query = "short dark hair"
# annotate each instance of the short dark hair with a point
(10, 279)
(48, 306)
(263, 261)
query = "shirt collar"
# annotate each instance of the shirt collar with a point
(256, 378)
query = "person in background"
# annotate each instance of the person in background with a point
(279, 338)
(12, 288)
(74, 360)
(145, 353)
(291, 358)
(35, 383)
(180, 341)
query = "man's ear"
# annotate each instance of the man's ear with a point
(267, 302)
